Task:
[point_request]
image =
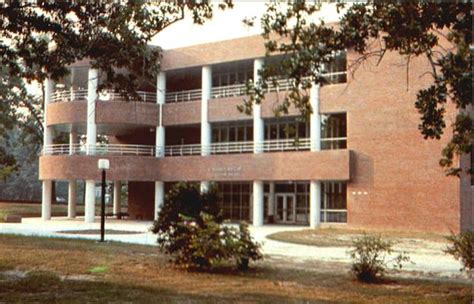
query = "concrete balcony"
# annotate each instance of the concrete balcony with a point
(114, 114)
(137, 163)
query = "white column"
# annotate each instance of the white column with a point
(90, 202)
(315, 204)
(206, 95)
(46, 200)
(257, 203)
(160, 100)
(117, 197)
(93, 81)
(159, 197)
(271, 199)
(205, 186)
(315, 135)
(47, 140)
(71, 207)
(258, 126)
(315, 119)
(160, 140)
(205, 125)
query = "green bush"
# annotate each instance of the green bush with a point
(183, 200)
(461, 248)
(190, 229)
(245, 249)
(370, 255)
(206, 244)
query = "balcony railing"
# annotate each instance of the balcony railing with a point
(81, 94)
(239, 147)
(240, 89)
(302, 144)
(183, 96)
(99, 149)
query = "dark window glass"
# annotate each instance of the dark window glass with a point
(333, 131)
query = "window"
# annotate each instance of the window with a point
(333, 131)
(232, 131)
(235, 200)
(334, 202)
(336, 69)
(286, 128)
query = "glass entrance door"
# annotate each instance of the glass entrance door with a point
(285, 208)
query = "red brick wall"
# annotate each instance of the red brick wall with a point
(406, 188)
(141, 197)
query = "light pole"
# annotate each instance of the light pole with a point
(103, 165)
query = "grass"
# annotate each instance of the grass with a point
(81, 271)
(342, 237)
(34, 210)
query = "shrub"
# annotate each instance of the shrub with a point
(205, 244)
(461, 248)
(183, 200)
(370, 255)
(190, 229)
(245, 249)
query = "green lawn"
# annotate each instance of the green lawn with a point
(44, 270)
(34, 210)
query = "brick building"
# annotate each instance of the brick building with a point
(359, 161)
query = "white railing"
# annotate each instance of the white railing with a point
(293, 144)
(183, 96)
(302, 144)
(69, 95)
(283, 84)
(81, 94)
(239, 147)
(99, 149)
(333, 143)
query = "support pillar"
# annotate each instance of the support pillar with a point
(315, 140)
(90, 202)
(71, 202)
(46, 200)
(159, 197)
(47, 190)
(258, 125)
(205, 125)
(117, 197)
(160, 141)
(271, 201)
(72, 198)
(160, 100)
(315, 204)
(315, 119)
(93, 81)
(257, 203)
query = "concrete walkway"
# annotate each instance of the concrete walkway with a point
(427, 260)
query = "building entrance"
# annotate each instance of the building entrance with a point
(285, 208)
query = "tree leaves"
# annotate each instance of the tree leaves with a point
(441, 31)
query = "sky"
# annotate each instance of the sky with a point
(224, 25)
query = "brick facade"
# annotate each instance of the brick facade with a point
(393, 177)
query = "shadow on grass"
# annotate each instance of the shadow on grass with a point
(46, 287)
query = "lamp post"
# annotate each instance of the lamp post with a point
(103, 165)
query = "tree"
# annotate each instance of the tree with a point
(371, 28)
(39, 39)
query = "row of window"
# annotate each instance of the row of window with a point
(223, 75)
(333, 126)
(290, 202)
